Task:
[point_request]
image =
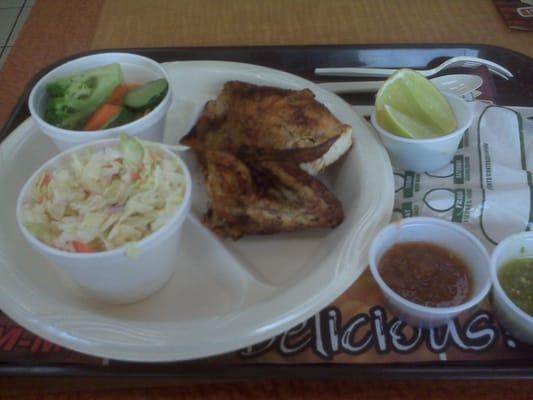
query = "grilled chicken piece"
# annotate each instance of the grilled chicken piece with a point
(266, 197)
(247, 118)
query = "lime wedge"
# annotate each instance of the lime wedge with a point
(404, 125)
(409, 105)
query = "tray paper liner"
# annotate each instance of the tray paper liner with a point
(487, 189)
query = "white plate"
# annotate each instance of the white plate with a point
(224, 295)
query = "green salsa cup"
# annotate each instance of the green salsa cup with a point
(515, 319)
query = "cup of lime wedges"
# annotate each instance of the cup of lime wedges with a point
(420, 126)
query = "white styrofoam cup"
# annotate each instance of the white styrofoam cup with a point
(442, 233)
(136, 69)
(111, 276)
(421, 155)
(514, 319)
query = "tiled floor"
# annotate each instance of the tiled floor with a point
(13, 14)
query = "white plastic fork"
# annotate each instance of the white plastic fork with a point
(454, 62)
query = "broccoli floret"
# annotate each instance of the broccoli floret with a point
(60, 114)
(74, 98)
(59, 87)
(57, 110)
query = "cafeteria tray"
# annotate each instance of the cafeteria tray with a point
(22, 353)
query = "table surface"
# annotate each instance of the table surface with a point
(59, 28)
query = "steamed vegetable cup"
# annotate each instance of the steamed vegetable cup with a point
(101, 96)
(109, 214)
(99, 99)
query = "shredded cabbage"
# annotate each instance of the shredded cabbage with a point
(105, 198)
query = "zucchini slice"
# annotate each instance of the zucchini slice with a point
(146, 96)
(122, 118)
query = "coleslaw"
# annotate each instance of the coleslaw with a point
(105, 198)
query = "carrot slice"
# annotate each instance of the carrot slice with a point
(81, 247)
(118, 94)
(101, 116)
(46, 180)
(44, 184)
(135, 176)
